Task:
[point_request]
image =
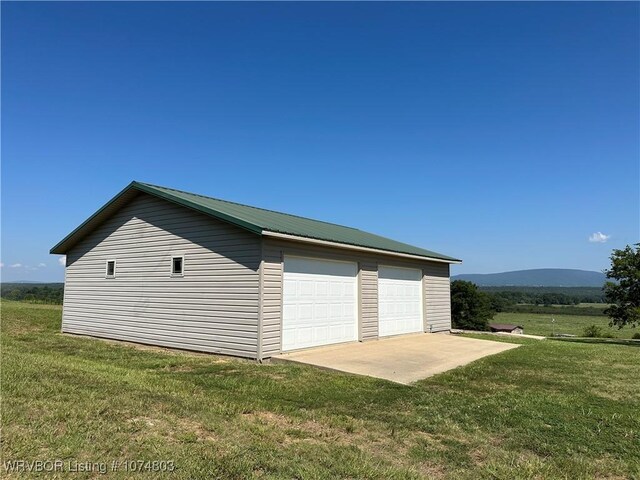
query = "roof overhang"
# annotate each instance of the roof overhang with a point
(95, 220)
(327, 243)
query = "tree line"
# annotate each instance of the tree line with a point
(33, 293)
(548, 295)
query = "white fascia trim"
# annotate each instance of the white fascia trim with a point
(327, 243)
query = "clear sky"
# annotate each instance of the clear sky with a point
(505, 134)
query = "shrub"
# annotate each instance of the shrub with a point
(470, 308)
(593, 331)
(636, 336)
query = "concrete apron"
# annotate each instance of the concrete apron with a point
(404, 359)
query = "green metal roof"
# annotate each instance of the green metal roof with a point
(259, 220)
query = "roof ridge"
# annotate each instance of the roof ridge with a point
(247, 206)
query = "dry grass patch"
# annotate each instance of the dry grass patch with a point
(177, 429)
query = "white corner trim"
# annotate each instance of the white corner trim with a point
(327, 243)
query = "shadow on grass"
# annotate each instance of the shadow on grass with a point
(607, 341)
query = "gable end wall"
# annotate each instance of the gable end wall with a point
(213, 308)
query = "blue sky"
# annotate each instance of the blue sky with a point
(502, 133)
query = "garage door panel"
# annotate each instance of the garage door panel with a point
(400, 273)
(319, 303)
(321, 334)
(321, 312)
(399, 301)
(306, 288)
(303, 334)
(322, 288)
(320, 267)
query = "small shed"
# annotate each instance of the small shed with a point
(506, 328)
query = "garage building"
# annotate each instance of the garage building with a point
(165, 267)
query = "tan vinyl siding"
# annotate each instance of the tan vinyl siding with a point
(212, 308)
(436, 277)
(368, 304)
(271, 300)
(437, 297)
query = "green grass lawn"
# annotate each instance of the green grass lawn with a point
(540, 324)
(548, 409)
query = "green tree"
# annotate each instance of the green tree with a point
(470, 308)
(498, 302)
(624, 294)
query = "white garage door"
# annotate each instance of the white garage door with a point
(399, 300)
(319, 303)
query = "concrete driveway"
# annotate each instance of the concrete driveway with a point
(403, 359)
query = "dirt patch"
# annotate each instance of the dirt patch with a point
(178, 368)
(283, 422)
(202, 433)
(175, 429)
(147, 422)
(274, 376)
(478, 456)
(430, 470)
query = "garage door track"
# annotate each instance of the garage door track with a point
(404, 359)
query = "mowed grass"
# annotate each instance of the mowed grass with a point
(540, 324)
(547, 409)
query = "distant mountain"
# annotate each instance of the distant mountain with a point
(541, 277)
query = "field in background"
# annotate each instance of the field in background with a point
(589, 305)
(540, 324)
(548, 409)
